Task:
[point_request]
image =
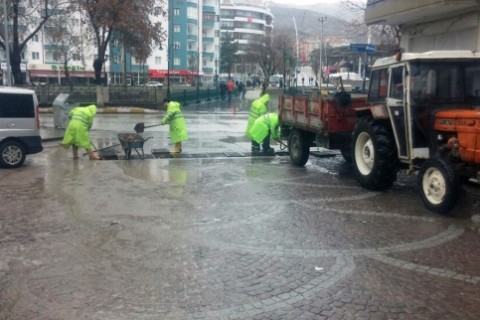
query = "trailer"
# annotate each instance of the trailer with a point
(421, 114)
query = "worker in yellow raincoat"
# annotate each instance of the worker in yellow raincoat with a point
(77, 133)
(264, 128)
(258, 108)
(178, 127)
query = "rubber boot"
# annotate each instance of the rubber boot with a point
(177, 148)
(75, 152)
(92, 155)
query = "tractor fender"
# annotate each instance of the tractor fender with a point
(377, 112)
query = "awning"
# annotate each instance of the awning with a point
(55, 73)
(162, 73)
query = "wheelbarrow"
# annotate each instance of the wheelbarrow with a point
(131, 141)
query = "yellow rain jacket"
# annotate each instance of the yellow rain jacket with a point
(257, 109)
(178, 127)
(81, 120)
(268, 123)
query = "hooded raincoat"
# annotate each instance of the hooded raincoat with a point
(257, 109)
(81, 120)
(178, 127)
(266, 124)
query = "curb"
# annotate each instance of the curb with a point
(107, 110)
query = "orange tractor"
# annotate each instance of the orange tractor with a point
(420, 114)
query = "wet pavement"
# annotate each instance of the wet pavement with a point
(225, 237)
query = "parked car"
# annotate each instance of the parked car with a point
(19, 126)
(154, 84)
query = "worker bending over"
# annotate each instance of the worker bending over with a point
(264, 128)
(258, 108)
(177, 125)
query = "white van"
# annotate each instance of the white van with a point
(19, 126)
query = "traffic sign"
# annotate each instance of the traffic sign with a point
(362, 47)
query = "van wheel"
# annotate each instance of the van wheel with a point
(438, 185)
(12, 154)
(298, 148)
(374, 156)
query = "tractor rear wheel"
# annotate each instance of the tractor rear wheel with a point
(438, 185)
(298, 148)
(374, 156)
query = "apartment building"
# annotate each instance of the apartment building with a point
(429, 24)
(245, 21)
(191, 52)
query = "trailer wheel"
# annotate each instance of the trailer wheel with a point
(298, 148)
(12, 154)
(374, 156)
(438, 185)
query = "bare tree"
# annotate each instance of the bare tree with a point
(386, 37)
(63, 32)
(271, 54)
(128, 19)
(228, 54)
(25, 19)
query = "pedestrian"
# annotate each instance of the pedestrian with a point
(77, 133)
(230, 87)
(264, 128)
(177, 125)
(258, 108)
(241, 90)
(223, 89)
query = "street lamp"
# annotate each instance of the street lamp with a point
(322, 20)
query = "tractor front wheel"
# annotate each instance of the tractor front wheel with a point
(438, 185)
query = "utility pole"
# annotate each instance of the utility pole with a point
(169, 45)
(322, 20)
(7, 48)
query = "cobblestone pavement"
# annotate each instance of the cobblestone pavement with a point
(227, 238)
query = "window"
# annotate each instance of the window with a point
(35, 38)
(176, 45)
(176, 12)
(35, 56)
(158, 60)
(76, 57)
(16, 106)
(396, 83)
(378, 85)
(176, 61)
(157, 11)
(176, 28)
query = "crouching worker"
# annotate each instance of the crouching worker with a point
(258, 108)
(178, 127)
(264, 128)
(77, 133)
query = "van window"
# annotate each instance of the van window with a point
(16, 106)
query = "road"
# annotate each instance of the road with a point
(210, 235)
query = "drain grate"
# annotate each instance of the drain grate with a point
(167, 155)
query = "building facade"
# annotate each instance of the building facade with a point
(429, 24)
(191, 53)
(245, 21)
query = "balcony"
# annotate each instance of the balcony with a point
(394, 12)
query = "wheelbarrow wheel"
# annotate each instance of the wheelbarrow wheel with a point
(128, 153)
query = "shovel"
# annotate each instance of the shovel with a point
(96, 150)
(140, 127)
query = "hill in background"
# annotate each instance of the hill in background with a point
(307, 20)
